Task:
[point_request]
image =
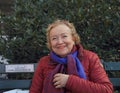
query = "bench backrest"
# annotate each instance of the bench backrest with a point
(16, 68)
(30, 68)
(113, 71)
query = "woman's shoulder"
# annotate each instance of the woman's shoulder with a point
(45, 63)
(44, 60)
(90, 55)
(85, 53)
(91, 58)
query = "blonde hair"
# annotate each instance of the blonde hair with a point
(59, 22)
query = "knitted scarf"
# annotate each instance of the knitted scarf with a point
(74, 67)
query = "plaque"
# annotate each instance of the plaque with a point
(19, 68)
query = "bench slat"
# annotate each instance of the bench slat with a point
(112, 66)
(115, 82)
(12, 84)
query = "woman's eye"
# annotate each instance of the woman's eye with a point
(54, 38)
(64, 36)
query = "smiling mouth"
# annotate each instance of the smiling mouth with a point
(61, 47)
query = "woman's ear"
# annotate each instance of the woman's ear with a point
(74, 39)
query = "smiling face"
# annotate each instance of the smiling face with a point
(61, 40)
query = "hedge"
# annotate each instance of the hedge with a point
(96, 21)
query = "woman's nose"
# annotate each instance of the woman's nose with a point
(60, 40)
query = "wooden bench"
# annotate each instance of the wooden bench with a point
(11, 69)
(6, 84)
(113, 71)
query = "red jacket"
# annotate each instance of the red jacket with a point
(97, 79)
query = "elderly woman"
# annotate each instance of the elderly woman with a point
(69, 68)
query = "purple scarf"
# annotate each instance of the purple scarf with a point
(74, 67)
